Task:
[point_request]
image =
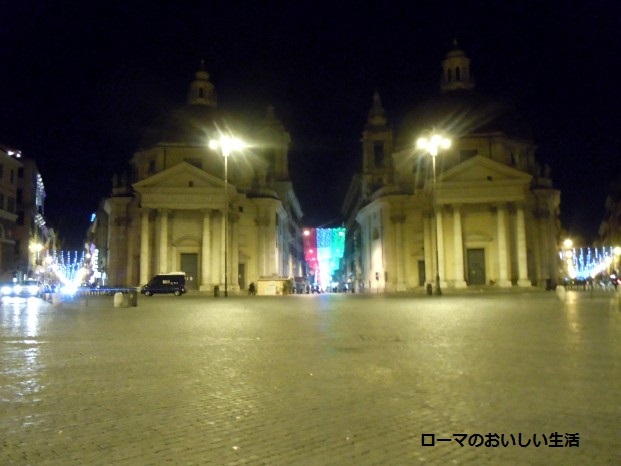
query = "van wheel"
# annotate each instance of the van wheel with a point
(148, 293)
(177, 293)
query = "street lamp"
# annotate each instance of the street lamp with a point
(226, 145)
(432, 144)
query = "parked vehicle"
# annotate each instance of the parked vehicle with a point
(165, 283)
(25, 288)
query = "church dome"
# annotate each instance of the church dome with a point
(460, 110)
(197, 121)
(192, 124)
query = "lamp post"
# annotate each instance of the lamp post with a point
(432, 143)
(226, 145)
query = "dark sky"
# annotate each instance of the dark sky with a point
(80, 81)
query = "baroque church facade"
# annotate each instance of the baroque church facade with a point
(171, 214)
(481, 212)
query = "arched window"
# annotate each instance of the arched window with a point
(201, 93)
(457, 74)
(449, 75)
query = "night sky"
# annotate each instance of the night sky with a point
(80, 82)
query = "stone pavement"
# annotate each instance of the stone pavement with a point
(313, 380)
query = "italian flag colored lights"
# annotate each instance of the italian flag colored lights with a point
(323, 250)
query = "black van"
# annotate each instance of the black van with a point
(165, 283)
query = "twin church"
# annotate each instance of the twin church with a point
(480, 211)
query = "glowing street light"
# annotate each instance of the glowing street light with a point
(432, 144)
(226, 145)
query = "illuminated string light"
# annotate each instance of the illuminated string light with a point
(585, 263)
(323, 250)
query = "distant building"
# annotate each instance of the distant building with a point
(610, 228)
(9, 166)
(486, 214)
(170, 215)
(25, 237)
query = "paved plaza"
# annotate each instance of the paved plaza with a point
(501, 378)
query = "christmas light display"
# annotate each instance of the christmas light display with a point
(585, 263)
(323, 250)
(72, 269)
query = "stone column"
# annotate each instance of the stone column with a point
(261, 222)
(223, 245)
(458, 247)
(543, 266)
(206, 284)
(234, 253)
(429, 249)
(440, 240)
(551, 251)
(501, 229)
(144, 246)
(271, 247)
(163, 267)
(521, 248)
(399, 251)
(131, 276)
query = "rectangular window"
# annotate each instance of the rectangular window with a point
(20, 172)
(1, 170)
(12, 176)
(20, 196)
(10, 205)
(1, 201)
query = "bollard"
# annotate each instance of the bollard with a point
(118, 299)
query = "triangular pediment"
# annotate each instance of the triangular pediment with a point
(183, 186)
(181, 175)
(482, 169)
(481, 180)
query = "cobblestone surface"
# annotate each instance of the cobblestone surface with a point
(310, 380)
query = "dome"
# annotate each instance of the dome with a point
(197, 121)
(192, 124)
(460, 110)
(463, 112)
